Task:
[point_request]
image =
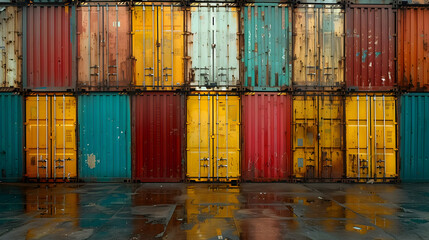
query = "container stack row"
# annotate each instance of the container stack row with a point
(166, 92)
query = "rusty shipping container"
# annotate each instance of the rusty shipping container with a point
(11, 47)
(370, 47)
(267, 46)
(318, 51)
(49, 48)
(158, 46)
(104, 46)
(318, 139)
(266, 119)
(158, 134)
(413, 48)
(213, 47)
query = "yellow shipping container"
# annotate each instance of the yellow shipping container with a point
(158, 46)
(51, 136)
(371, 136)
(318, 137)
(213, 137)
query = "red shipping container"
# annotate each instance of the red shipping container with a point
(49, 42)
(413, 48)
(158, 127)
(370, 47)
(266, 119)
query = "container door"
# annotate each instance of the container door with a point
(214, 44)
(305, 151)
(213, 138)
(319, 59)
(50, 137)
(104, 46)
(158, 46)
(331, 137)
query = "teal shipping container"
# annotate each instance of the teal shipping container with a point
(414, 128)
(267, 47)
(105, 137)
(11, 140)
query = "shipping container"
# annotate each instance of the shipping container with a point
(266, 137)
(105, 137)
(414, 129)
(373, 2)
(213, 47)
(158, 46)
(11, 47)
(213, 137)
(413, 50)
(50, 137)
(158, 134)
(371, 137)
(49, 48)
(11, 137)
(318, 139)
(104, 46)
(267, 46)
(209, 208)
(370, 47)
(319, 1)
(405, 2)
(318, 37)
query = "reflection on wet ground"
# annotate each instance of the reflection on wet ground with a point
(214, 211)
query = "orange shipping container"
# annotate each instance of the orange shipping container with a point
(413, 48)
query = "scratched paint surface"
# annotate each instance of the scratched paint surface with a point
(370, 47)
(105, 137)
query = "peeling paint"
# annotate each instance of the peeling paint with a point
(91, 161)
(377, 54)
(364, 55)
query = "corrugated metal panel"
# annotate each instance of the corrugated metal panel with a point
(415, 1)
(213, 137)
(51, 137)
(104, 47)
(267, 46)
(318, 137)
(414, 128)
(371, 137)
(375, 2)
(11, 134)
(266, 137)
(319, 45)
(158, 127)
(11, 47)
(370, 48)
(158, 46)
(49, 48)
(105, 137)
(213, 47)
(413, 48)
(320, 1)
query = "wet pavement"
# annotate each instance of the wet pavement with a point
(214, 211)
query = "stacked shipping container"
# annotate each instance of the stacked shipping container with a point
(303, 91)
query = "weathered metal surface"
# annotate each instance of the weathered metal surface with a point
(158, 134)
(49, 48)
(370, 47)
(158, 46)
(414, 129)
(405, 2)
(50, 137)
(213, 137)
(318, 36)
(213, 46)
(11, 137)
(318, 139)
(266, 137)
(374, 2)
(413, 48)
(104, 46)
(371, 137)
(267, 46)
(11, 47)
(105, 137)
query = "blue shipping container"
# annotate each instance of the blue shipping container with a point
(105, 137)
(11, 131)
(414, 128)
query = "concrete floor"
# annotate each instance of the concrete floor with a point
(214, 211)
